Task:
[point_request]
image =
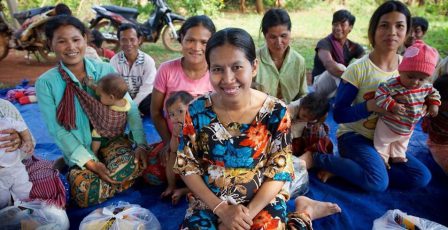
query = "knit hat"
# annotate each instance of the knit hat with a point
(419, 58)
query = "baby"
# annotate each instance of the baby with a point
(111, 90)
(405, 97)
(308, 129)
(309, 135)
(14, 180)
(176, 106)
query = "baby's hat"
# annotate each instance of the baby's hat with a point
(419, 58)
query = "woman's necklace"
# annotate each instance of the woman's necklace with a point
(234, 127)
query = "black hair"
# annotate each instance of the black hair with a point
(113, 84)
(63, 20)
(61, 9)
(127, 26)
(198, 20)
(385, 8)
(420, 21)
(342, 16)
(441, 84)
(234, 36)
(316, 104)
(275, 17)
(183, 96)
(97, 38)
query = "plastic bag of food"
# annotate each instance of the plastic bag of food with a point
(300, 185)
(120, 216)
(398, 220)
(34, 215)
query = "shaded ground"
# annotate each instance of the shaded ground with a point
(15, 67)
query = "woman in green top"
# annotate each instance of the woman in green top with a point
(91, 180)
(281, 70)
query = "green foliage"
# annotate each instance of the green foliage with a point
(300, 4)
(208, 7)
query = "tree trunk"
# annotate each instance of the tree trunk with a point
(279, 3)
(243, 6)
(421, 2)
(13, 8)
(259, 6)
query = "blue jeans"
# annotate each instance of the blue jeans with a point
(363, 166)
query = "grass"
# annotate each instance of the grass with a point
(309, 26)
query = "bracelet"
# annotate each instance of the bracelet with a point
(216, 207)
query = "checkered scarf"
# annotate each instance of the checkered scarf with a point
(108, 123)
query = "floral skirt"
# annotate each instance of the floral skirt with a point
(272, 217)
(88, 189)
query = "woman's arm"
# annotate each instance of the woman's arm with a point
(267, 192)
(135, 123)
(344, 111)
(72, 148)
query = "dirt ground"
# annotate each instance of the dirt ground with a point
(15, 67)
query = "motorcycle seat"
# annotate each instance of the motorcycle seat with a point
(123, 11)
(24, 15)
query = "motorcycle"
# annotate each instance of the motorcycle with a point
(161, 22)
(33, 42)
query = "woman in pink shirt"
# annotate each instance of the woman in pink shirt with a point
(188, 73)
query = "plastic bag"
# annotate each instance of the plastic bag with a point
(300, 185)
(398, 220)
(34, 215)
(121, 216)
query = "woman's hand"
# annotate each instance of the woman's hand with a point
(12, 140)
(100, 169)
(234, 216)
(141, 156)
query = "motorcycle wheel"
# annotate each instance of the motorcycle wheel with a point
(4, 49)
(168, 38)
(109, 32)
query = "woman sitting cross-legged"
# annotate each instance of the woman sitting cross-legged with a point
(235, 153)
(66, 106)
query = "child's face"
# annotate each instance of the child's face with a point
(305, 115)
(413, 80)
(177, 111)
(105, 98)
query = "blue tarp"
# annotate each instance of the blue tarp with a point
(359, 208)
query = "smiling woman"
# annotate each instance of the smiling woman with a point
(188, 73)
(90, 179)
(281, 70)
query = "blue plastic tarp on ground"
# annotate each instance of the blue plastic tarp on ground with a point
(359, 208)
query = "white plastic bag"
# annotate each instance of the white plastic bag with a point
(121, 216)
(34, 215)
(398, 220)
(298, 186)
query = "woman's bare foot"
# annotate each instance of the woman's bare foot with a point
(308, 158)
(316, 209)
(177, 194)
(324, 175)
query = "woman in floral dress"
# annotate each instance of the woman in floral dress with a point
(235, 154)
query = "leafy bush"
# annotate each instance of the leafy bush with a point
(300, 4)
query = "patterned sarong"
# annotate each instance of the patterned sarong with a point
(88, 189)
